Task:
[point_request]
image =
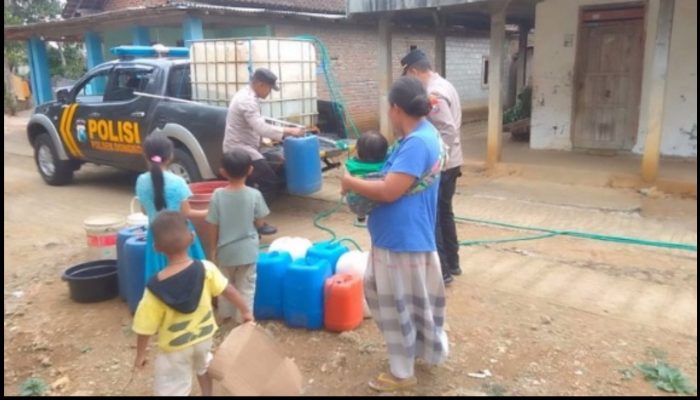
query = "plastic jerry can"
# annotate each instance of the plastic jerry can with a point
(122, 236)
(330, 251)
(302, 165)
(135, 259)
(344, 297)
(303, 294)
(271, 270)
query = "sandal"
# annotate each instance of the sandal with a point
(387, 383)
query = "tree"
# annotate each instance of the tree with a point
(25, 12)
(28, 11)
(67, 60)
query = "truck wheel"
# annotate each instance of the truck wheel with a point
(55, 172)
(184, 166)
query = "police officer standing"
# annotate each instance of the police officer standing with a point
(245, 128)
(447, 119)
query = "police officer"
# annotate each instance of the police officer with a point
(245, 127)
(447, 119)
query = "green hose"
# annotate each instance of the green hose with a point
(506, 240)
(544, 233)
(587, 235)
(326, 64)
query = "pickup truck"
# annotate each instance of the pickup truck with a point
(104, 118)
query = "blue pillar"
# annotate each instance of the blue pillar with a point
(141, 36)
(192, 29)
(32, 81)
(93, 45)
(39, 64)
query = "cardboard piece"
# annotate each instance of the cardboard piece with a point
(249, 363)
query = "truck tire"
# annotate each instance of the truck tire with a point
(184, 166)
(54, 171)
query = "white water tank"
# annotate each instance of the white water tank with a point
(221, 67)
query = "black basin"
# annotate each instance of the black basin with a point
(92, 281)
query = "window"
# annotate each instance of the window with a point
(180, 83)
(125, 81)
(413, 47)
(485, 72)
(93, 89)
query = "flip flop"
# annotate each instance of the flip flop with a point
(387, 383)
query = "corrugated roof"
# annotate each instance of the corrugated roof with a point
(74, 28)
(314, 6)
(329, 6)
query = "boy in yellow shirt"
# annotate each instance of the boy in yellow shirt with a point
(177, 304)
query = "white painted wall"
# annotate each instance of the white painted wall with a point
(679, 135)
(553, 76)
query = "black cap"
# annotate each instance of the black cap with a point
(411, 58)
(264, 75)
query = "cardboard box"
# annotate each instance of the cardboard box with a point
(249, 363)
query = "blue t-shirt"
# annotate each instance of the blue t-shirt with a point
(408, 224)
(176, 191)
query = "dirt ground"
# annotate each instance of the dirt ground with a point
(560, 316)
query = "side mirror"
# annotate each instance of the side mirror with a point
(62, 95)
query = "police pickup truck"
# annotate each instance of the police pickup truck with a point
(105, 117)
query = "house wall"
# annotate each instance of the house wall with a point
(679, 129)
(354, 53)
(553, 76)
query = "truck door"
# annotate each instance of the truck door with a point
(110, 128)
(89, 90)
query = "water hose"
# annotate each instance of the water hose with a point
(544, 233)
(326, 65)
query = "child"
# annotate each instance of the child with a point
(372, 149)
(160, 189)
(177, 305)
(235, 211)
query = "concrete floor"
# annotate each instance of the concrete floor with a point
(678, 175)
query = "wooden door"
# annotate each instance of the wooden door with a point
(608, 83)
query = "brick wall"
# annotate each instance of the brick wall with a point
(465, 66)
(354, 54)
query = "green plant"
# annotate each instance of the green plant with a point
(10, 102)
(522, 108)
(33, 387)
(495, 389)
(666, 377)
(627, 373)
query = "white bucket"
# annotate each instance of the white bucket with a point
(102, 236)
(136, 218)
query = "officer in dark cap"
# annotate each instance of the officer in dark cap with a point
(446, 116)
(245, 128)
